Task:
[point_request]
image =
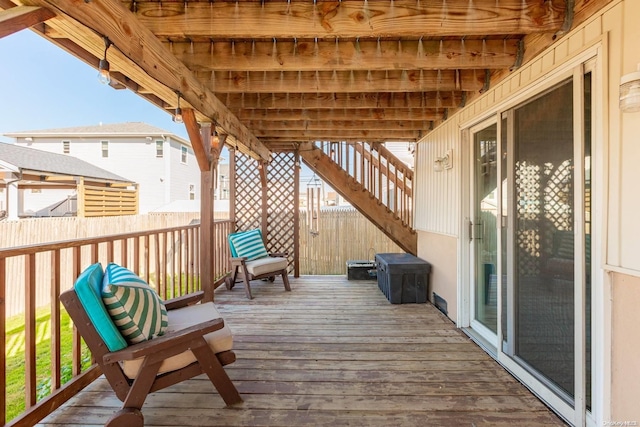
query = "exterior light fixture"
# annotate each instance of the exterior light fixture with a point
(103, 68)
(177, 117)
(630, 92)
(215, 138)
(444, 162)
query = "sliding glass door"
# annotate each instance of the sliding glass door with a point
(530, 241)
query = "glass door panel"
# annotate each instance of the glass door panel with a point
(544, 237)
(484, 227)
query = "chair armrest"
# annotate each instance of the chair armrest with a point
(238, 260)
(164, 342)
(184, 300)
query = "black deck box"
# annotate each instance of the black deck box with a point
(361, 270)
(403, 278)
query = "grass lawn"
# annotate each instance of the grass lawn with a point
(15, 358)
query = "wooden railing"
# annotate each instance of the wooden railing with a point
(379, 172)
(168, 259)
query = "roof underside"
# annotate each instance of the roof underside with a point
(271, 74)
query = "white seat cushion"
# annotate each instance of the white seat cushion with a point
(266, 265)
(181, 318)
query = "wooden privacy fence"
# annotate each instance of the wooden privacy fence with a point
(167, 258)
(342, 234)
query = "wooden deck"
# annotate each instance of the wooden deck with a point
(334, 353)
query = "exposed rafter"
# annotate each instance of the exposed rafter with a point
(389, 100)
(328, 125)
(342, 81)
(344, 114)
(18, 18)
(345, 55)
(348, 19)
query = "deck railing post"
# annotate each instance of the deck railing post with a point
(3, 333)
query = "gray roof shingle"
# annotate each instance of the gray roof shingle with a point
(43, 161)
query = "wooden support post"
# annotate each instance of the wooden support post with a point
(232, 185)
(296, 215)
(206, 234)
(207, 153)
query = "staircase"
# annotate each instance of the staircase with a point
(373, 180)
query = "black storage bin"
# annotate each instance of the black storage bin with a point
(403, 278)
(361, 270)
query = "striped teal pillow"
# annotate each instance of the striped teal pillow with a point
(133, 305)
(249, 244)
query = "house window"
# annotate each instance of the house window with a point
(192, 192)
(105, 148)
(159, 148)
(66, 147)
(183, 150)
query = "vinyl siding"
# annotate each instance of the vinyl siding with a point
(183, 174)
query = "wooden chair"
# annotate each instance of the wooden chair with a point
(139, 369)
(266, 266)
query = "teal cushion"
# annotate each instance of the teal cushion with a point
(88, 288)
(248, 244)
(133, 305)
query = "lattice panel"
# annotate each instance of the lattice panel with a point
(538, 222)
(558, 195)
(528, 188)
(281, 205)
(248, 197)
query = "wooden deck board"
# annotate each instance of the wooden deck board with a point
(333, 353)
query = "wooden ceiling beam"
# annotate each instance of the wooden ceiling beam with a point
(338, 124)
(139, 47)
(18, 18)
(288, 144)
(201, 150)
(424, 114)
(338, 134)
(7, 4)
(445, 99)
(348, 18)
(343, 81)
(339, 55)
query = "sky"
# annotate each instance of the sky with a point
(44, 87)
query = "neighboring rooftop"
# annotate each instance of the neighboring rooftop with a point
(38, 161)
(121, 129)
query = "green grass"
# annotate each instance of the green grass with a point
(15, 358)
(181, 287)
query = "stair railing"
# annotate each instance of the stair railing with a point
(378, 171)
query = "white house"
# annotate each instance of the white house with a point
(163, 164)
